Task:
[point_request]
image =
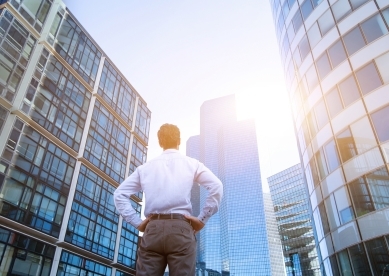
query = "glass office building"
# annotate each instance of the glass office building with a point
(234, 241)
(336, 60)
(71, 129)
(292, 210)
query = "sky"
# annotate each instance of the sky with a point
(179, 53)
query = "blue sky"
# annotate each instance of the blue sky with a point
(178, 54)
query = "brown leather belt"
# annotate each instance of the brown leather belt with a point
(169, 216)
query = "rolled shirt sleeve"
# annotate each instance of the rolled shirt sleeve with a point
(131, 185)
(215, 192)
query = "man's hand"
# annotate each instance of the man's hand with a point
(197, 224)
(142, 226)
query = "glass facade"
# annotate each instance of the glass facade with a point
(73, 135)
(336, 56)
(295, 228)
(234, 241)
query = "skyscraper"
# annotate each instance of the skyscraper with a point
(292, 211)
(336, 56)
(234, 242)
(72, 128)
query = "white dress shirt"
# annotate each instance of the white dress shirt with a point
(167, 183)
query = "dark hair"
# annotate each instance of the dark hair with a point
(168, 136)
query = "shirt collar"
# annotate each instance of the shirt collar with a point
(170, 151)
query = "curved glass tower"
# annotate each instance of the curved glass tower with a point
(336, 60)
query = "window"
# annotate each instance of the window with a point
(344, 262)
(361, 196)
(385, 13)
(285, 9)
(311, 77)
(323, 66)
(332, 155)
(306, 8)
(343, 204)
(380, 120)
(363, 135)
(346, 145)
(334, 102)
(321, 114)
(321, 164)
(314, 35)
(378, 255)
(373, 28)
(326, 22)
(349, 90)
(382, 63)
(297, 21)
(368, 78)
(357, 3)
(336, 53)
(341, 9)
(354, 40)
(379, 187)
(304, 47)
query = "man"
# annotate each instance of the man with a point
(169, 229)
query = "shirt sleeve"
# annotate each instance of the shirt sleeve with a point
(131, 185)
(215, 192)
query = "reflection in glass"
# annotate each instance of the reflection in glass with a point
(334, 103)
(361, 197)
(340, 9)
(344, 262)
(368, 78)
(332, 155)
(379, 187)
(346, 145)
(380, 120)
(336, 53)
(354, 40)
(359, 260)
(326, 22)
(323, 65)
(373, 28)
(349, 90)
(378, 255)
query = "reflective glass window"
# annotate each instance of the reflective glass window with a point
(142, 125)
(373, 28)
(285, 9)
(304, 47)
(306, 8)
(314, 35)
(379, 187)
(368, 78)
(344, 262)
(3, 117)
(340, 9)
(290, 32)
(378, 255)
(72, 264)
(129, 242)
(78, 50)
(115, 90)
(93, 219)
(346, 145)
(334, 266)
(315, 174)
(138, 155)
(332, 212)
(297, 57)
(311, 77)
(34, 11)
(363, 135)
(61, 104)
(361, 197)
(354, 40)
(380, 120)
(382, 63)
(321, 114)
(323, 65)
(385, 13)
(326, 22)
(359, 260)
(312, 123)
(357, 3)
(297, 20)
(324, 219)
(349, 90)
(35, 188)
(321, 164)
(343, 203)
(291, 2)
(108, 143)
(332, 155)
(334, 103)
(336, 53)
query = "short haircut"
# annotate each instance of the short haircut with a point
(168, 136)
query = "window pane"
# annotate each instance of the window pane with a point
(306, 8)
(344, 205)
(349, 90)
(334, 266)
(346, 145)
(344, 263)
(321, 164)
(285, 9)
(323, 65)
(379, 187)
(297, 20)
(314, 35)
(304, 47)
(321, 114)
(332, 155)
(334, 102)
(341, 9)
(326, 22)
(359, 260)
(361, 197)
(291, 2)
(381, 123)
(311, 77)
(378, 255)
(382, 63)
(324, 219)
(363, 135)
(368, 78)
(373, 28)
(332, 212)
(354, 41)
(290, 32)
(337, 53)
(385, 13)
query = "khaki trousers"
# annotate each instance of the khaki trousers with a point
(167, 242)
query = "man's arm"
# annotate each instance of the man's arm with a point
(131, 185)
(215, 192)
